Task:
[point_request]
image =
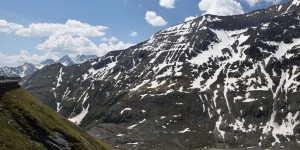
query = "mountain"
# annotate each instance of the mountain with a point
(45, 63)
(66, 61)
(212, 82)
(22, 70)
(27, 69)
(28, 124)
(83, 58)
(79, 59)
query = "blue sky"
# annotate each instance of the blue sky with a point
(34, 30)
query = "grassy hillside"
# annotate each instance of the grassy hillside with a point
(25, 123)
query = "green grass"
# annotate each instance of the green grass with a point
(25, 121)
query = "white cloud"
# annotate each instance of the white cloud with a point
(71, 27)
(133, 33)
(68, 44)
(58, 46)
(221, 7)
(71, 38)
(81, 45)
(106, 47)
(253, 3)
(154, 20)
(167, 3)
(190, 18)
(8, 27)
(25, 56)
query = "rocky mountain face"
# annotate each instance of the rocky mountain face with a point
(216, 81)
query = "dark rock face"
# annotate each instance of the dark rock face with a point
(226, 82)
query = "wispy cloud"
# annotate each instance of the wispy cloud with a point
(24, 56)
(112, 39)
(190, 18)
(253, 3)
(133, 34)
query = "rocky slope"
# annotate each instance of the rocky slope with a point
(216, 81)
(27, 124)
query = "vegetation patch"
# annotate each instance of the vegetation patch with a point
(26, 123)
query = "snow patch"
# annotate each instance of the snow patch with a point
(59, 78)
(77, 119)
(185, 130)
(58, 107)
(131, 127)
(126, 109)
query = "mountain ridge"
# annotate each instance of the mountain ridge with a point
(27, 69)
(215, 81)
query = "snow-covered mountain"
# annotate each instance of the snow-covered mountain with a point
(45, 63)
(66, 61)
(27, 69)
(22, 70)
(83, 58)
(215, 81)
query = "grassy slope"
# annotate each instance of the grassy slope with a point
(23, 119)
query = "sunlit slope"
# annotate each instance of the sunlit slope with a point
(25, 123)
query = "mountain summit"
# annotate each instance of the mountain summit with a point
(83, 58)
(45, 63)
(215, 81)
(66, 61)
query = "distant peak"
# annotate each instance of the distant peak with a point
(66, 61)
(79, 55)
(66, 56)
(28, 64)
(82, 58)
(49, 60)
